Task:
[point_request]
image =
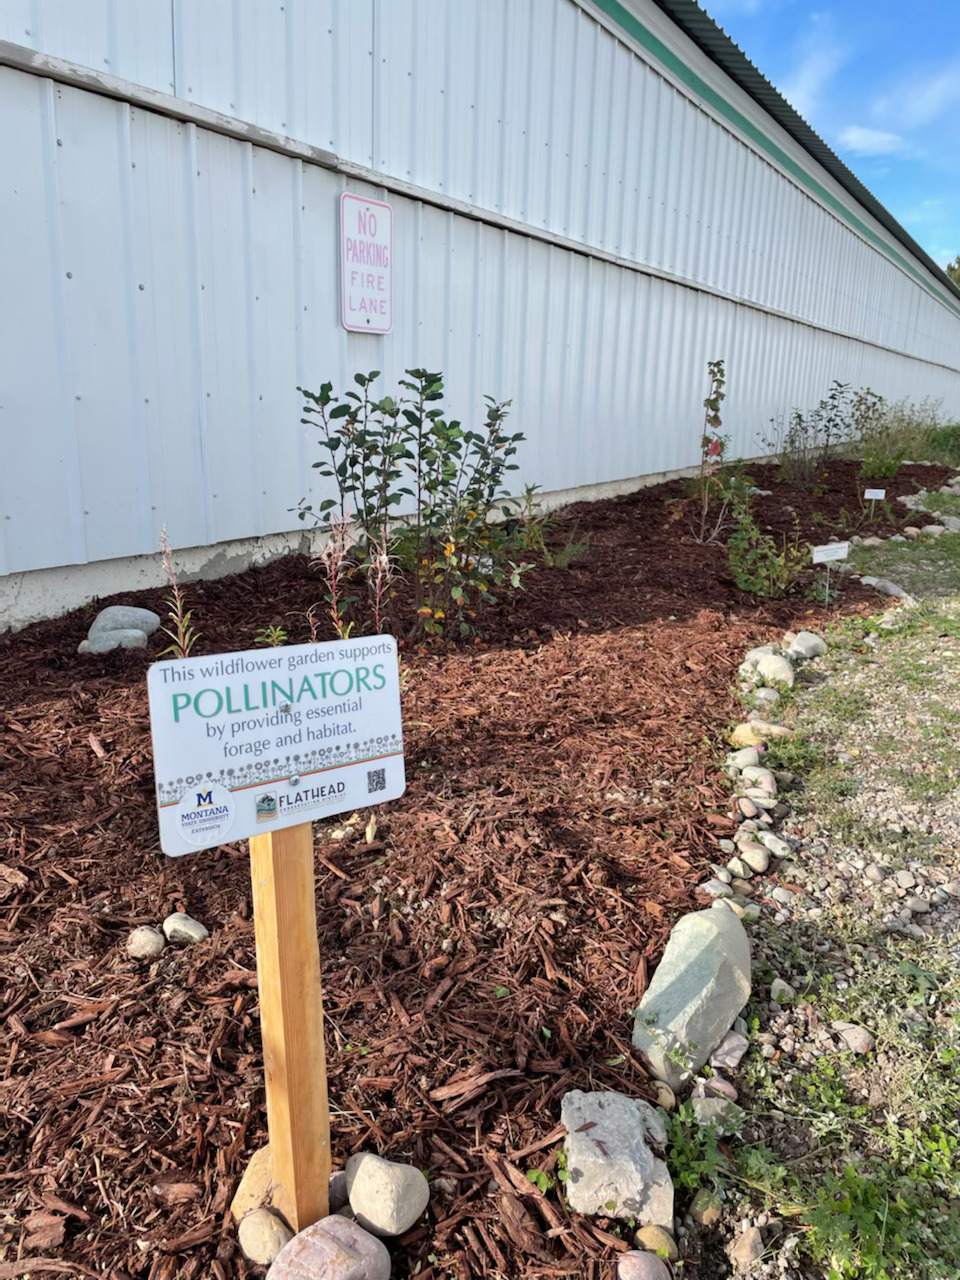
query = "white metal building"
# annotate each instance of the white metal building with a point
(591, 199)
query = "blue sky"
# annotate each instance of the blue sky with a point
(879, 81)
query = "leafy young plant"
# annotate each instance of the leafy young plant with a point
(273, 635)
(758, 564)
(693, 1152)
(712, 506)
(802, 442)
(181, 629)
(459, 544)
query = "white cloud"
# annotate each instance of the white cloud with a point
(869, 142)
(803, 86)
(719, 7)
(921, 99)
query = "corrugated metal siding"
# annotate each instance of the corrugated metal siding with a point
(173, 287)
(529, 108)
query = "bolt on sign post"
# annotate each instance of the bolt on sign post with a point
(258, 744)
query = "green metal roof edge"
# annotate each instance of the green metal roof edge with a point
(717, 45)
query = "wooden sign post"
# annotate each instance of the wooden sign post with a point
(258, 744)
(291, 1022)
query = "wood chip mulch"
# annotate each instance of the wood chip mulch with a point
(480, 958)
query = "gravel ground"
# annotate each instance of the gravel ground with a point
(849, 1156)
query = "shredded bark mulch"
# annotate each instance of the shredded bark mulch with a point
(480, 957)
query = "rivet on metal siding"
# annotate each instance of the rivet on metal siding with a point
(59, 142)
(69, 275)
(141, 287)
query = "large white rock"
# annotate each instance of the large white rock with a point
(107, 641)
(332, 1249)
(387, 1197)
(636, 1264)
(145, 943)
(776, 669)
(262, 1235)
(123, 617)
(699, 987)
(807, 644)
(610, 1167)
(179, 927)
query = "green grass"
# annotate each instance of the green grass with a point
(946, 504)
(926, 567)
(859, 1156)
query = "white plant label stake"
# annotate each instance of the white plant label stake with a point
(873, 496)
(828, 552)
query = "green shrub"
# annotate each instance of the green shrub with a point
(758, 564)
(459, 544)
(802, 442)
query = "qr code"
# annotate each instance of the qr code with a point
(376, 780)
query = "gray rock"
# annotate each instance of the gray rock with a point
(337, 1192)
(888, 588)
(722, 874)
(933, 530)
(724, 1115)
(145, 943)
(107, 641)
(782, 991)
(706, 1208)
(730, 1051)
(698, 988)
(766, 698)
(262, 1235)
(751, 658)
(637, 1264)
(609, 1160)
(743, 758)
(784, 896)
(905, 879)
(747, 807)
(761, 799)
(755, 856)
(856, 1039)
(778, 847)
(739, 868)
(745, 1252)
(775, 669)
(806, 645)
(332, 1249)
(387, 1197)
(720, 1088)
(875, 874)
(762, 779)
(716, 889)
(727, 846)
(919, 906)
(657, 1240)
(182, 928)
(950, 522)
(123, 617)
